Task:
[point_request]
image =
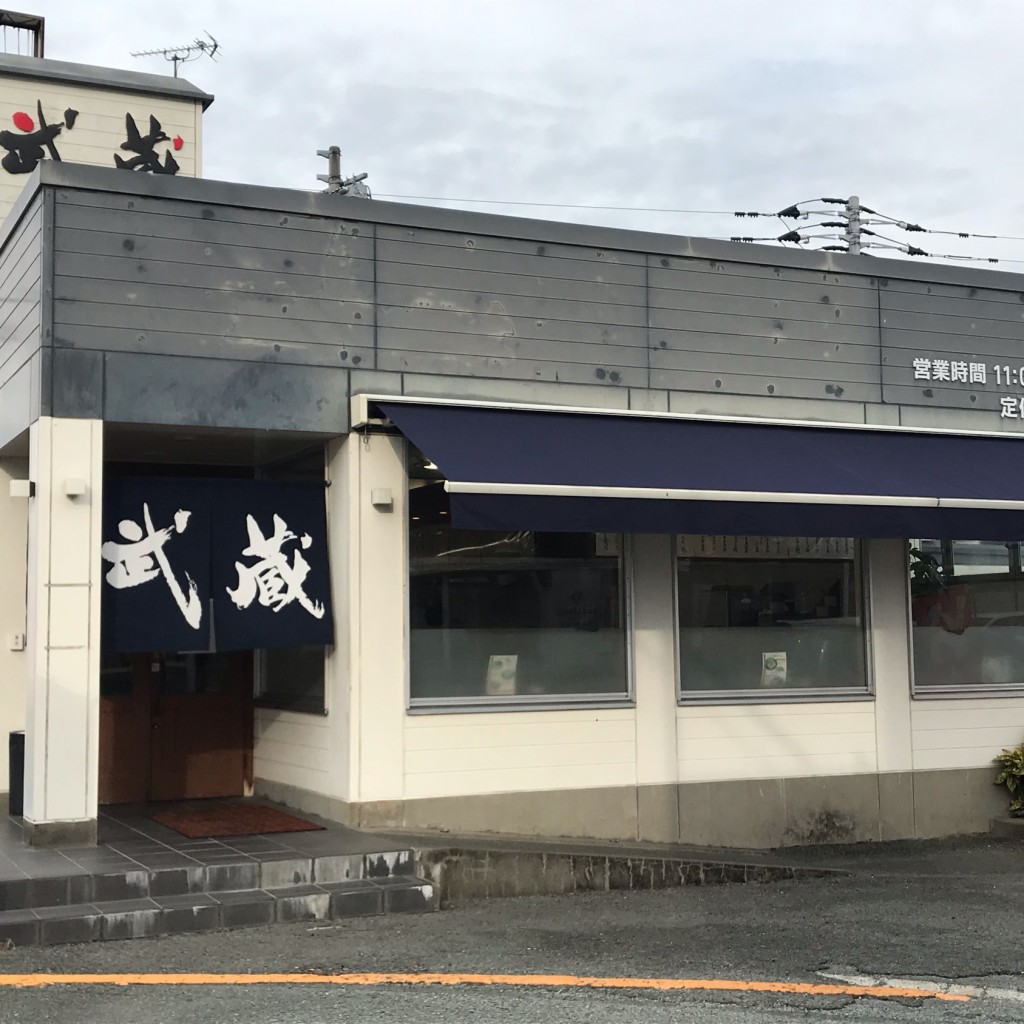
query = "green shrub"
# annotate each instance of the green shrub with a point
(1011, 775)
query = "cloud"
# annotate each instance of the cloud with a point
(667, 103)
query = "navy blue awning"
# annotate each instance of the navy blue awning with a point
(547, 470)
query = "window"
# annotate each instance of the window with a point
(770, 618)
(967, 614)
(291, 678)
(511, 618)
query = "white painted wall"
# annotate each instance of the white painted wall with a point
(965, 733)
(13, 556)
(63, 628)
(99, 128)
(768, 741)
(516, 751)
(294, 749)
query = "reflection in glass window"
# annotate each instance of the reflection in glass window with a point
(511, 617)
(967, 613)
(785, 620)
(292, 678)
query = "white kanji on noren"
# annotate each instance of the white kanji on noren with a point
(977, 373)
(922, 369)
(143, 559)
(272, 579)
(1010, 408)
(941, 369)
(958, 371)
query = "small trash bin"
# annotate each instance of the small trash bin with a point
(16, 762)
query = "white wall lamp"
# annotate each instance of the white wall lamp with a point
(381, 499)
(75, 488)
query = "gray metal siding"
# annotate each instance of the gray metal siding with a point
(148, 285)
(179, 279)
(949, 322)
(506, 309)
(737, 328)
(21, 270)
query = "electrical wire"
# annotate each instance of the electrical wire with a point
(574, 206)
(791, 236)
(908, 226)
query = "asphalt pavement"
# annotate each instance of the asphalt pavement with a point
(926, 914)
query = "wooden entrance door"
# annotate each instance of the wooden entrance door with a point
(176, 727)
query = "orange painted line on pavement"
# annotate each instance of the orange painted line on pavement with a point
(542, 980)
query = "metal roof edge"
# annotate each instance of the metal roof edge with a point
(44, 69)
(433, 218)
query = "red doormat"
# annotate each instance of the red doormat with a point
(232, 820)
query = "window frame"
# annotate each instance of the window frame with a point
(527, 702)
(794, 695)
(962, 691)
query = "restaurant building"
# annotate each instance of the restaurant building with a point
(425, 518)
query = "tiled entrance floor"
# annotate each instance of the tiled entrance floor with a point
(143, 879)
(129, 840)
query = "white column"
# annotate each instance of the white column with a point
(338, 666)
(654, 659)
(373, 467)
(654, 666)
(13, 553)
(62, 720)
(890, 648)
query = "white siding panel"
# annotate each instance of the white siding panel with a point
(294, 756)
(524, 779)
(293, 749)
(965, 733)
(767, 745)
(294, 733)
(518, 733)
(513, 758)
(719, 743)
(451, 755)
(788, 766)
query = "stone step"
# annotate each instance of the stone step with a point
(207, 911)
(266, 872)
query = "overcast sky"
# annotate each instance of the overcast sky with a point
(668, 104)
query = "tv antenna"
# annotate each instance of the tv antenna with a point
(183, 54)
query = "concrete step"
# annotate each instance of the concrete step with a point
(207, 911)
(96, 883)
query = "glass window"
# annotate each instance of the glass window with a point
(292, 678)
(769, 617)
(967, 614)
(511, 618)
(117, 674)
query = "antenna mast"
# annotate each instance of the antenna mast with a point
(336, 184)
(183, 54)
